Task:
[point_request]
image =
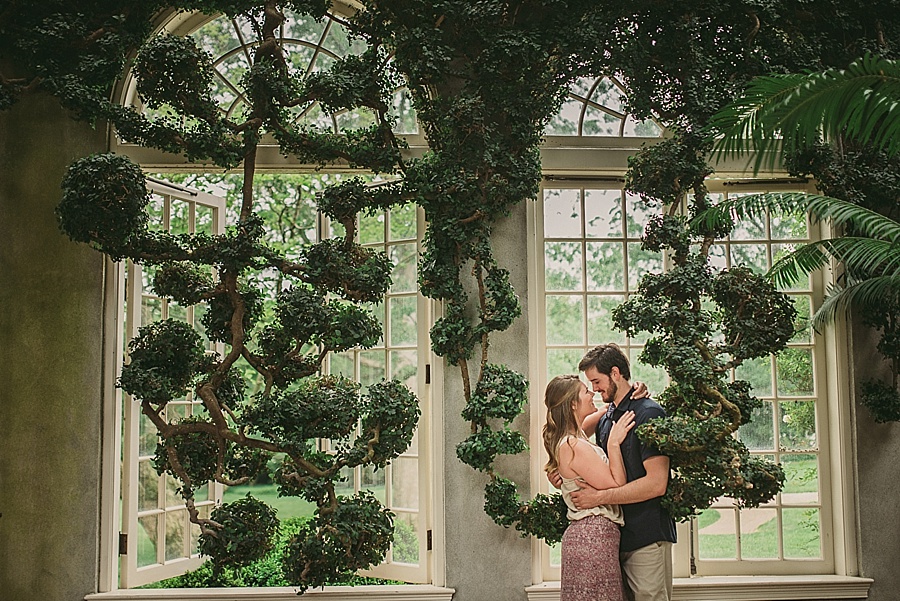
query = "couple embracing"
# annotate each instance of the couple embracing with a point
(613, 489)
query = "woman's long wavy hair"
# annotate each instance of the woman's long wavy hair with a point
(560, 398)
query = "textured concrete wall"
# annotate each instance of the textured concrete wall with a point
(878, 458)
(485, 561)
(50, 364)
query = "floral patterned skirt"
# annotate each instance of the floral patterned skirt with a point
(590, 561)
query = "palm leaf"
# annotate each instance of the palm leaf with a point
(863, 258)
(871, 295)
(860, 101)
(863, 221)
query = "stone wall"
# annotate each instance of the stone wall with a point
(51, 362)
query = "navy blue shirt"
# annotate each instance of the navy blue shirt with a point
(645, 522)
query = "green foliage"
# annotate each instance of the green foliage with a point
(356, 273)
(500, 393)
(244, 533)
(749, 303)
(481, 448)
(164, 357)
(104, 201)
(193, 451)
(389, 419)
(319, 407)
(172, 70)
(184, 282)
(328, 548)
(854, 102)
(882, 400)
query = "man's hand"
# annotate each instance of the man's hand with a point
(588, 496)
(554, 478)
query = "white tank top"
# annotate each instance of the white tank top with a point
(569, 485)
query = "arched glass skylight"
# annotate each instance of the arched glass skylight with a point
(594, 107)
(309, 46)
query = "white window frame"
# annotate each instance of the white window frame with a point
(390, 569)
(130, 574)
(833, 426)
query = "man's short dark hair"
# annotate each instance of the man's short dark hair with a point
(603, 358)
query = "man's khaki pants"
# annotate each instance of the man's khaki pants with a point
(648, 572)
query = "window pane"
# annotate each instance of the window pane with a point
(750, 255)
(563, 266)
(801, 486)
(205, 219)
(790, 227)
(403, 321)
(151, 310)
(405, 548)
(403, 224)
(373, 480)
(405, 483)
(403, 257)
(179, 219)
(175, 527)
(759, 373)
(600, 123)
(565, 319)
(638, 214)
(641, 262)
(716, 534)
(148, 486)
(565, 122)
(404, 368)
(173, 499)
(146, 544)
(759, 434)
(371, 367)
(802, 325)
(643, 129)
(798, 425)
(751, 228)
(599, 320)
(795, 372)
(802, 539)
(371, 228)
(195, 530)
(759, 533)
(403, 110)
(802, 283)
(562, 361)
(605, 266)
(603, 214)
(655, 378)
(342, 364)
(562, 213)
(717, 256)
(147, 436)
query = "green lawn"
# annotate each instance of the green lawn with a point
(287, 507)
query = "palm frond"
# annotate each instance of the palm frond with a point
(869, 295)
(864, 222)
(792, 268)
(862, 257)
(860, 101)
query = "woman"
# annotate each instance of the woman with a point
(590, 545)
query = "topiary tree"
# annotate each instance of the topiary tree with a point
(319, 308)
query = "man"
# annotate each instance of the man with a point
(645, 549)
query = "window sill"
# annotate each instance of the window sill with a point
(746, 588)
(410, 592)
